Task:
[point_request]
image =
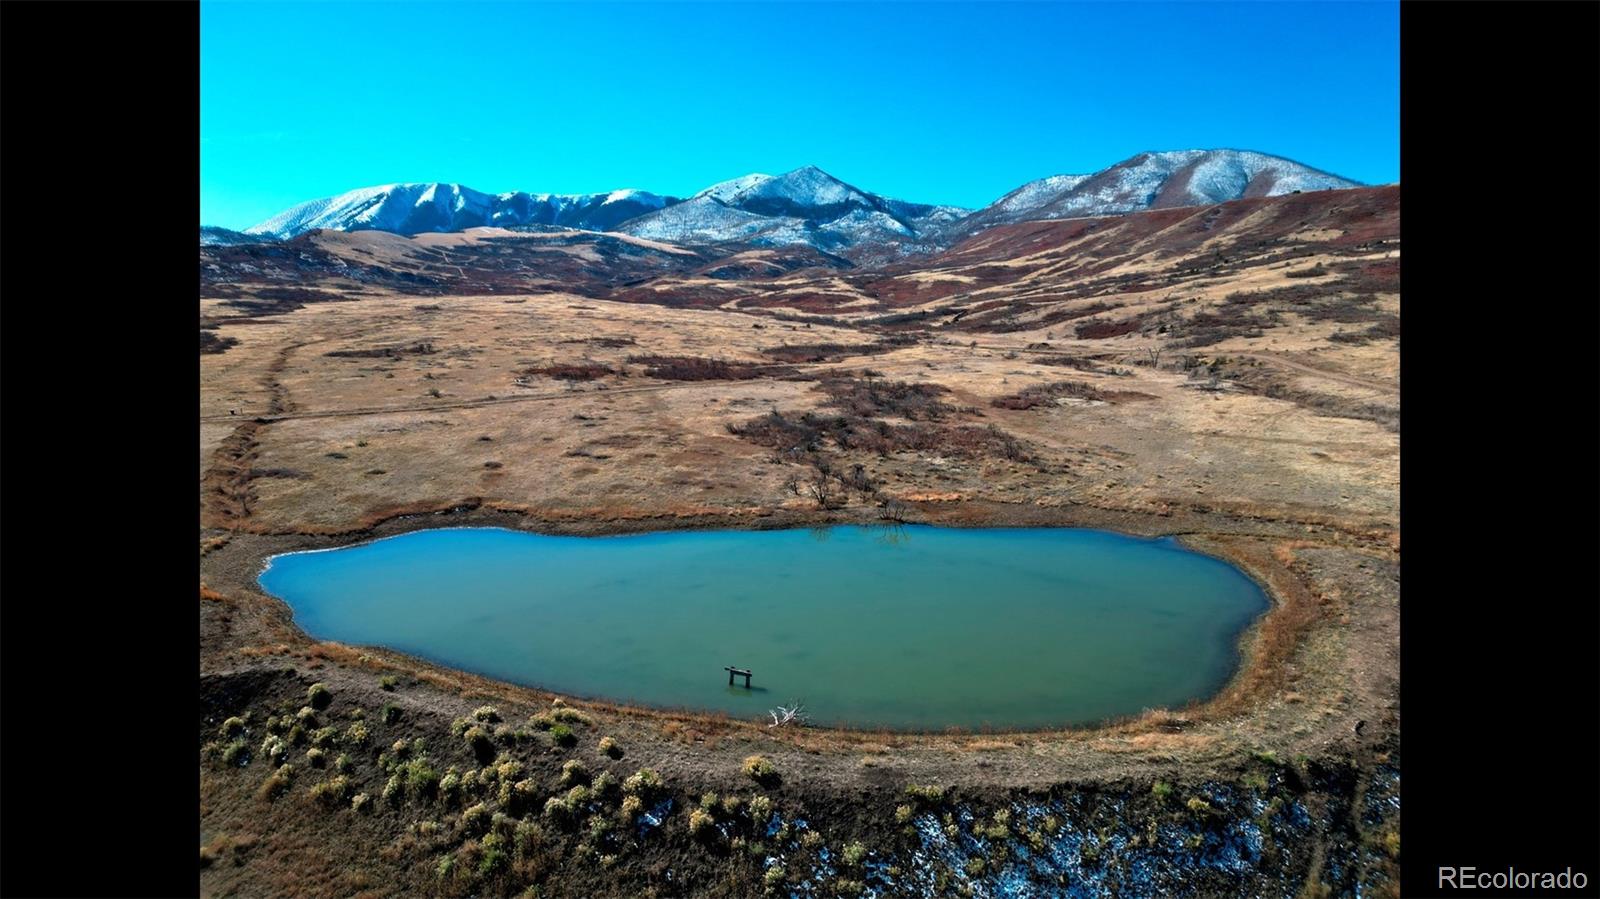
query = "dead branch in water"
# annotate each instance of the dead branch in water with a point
(794, 714)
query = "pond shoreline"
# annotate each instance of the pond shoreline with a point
(1239, 541)
(1059, 627)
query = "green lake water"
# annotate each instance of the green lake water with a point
(908, 628)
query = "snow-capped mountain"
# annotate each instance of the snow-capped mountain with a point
(805, 206)
(809, 206)
(212, 236)
(1154, 181)
(417, 208)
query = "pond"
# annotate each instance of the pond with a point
(906, 628)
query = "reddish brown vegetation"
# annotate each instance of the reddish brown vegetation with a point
(916, 402)
(829, 352)
(1095, 330)
(581, 371)
(211, 342)
(699, 368)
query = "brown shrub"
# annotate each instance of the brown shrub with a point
(582, 371)
(1046, 395)
(1102, 328)
(211, 342)
(699, 368)
(916, 402)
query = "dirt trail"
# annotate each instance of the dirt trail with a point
(1301, 367)
(225, 487)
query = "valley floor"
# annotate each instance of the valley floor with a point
(1263, 430)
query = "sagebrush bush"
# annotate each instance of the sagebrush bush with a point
(276, 784)
(356, 734)
(775, 877)
(389, 682)
(361, 803)
(475, 820)
(563, 736)
(760, 770)
(332, 792)
(450, 786)
(318, 696)
(236, 753)
(522, 796)
(231, 728)
(903, 814)
(390, 713)
(315, 757)
(854, 853)
(925, 795)
(606, 786)
(480, 741)
(1161, 789)
(574, 771)
(644, 783)
(569, 716)
(557, 810)
(486, 713)
(419, 777)
(494, 858)
(760, 810)
(275, 749)
(529, 836)
(701, 825)
(632, 807)
(324, 737)
(392, 791)
(344, 764)
(609, 748)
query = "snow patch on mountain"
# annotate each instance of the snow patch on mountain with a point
(805, 206)
(426, 207)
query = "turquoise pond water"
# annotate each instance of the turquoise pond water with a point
(908, 628)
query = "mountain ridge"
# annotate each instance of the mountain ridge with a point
(809, 206)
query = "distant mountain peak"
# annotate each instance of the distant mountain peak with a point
(1154, 179)
(422, 206)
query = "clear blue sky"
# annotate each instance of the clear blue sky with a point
(937, 103)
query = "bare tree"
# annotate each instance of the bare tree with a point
(821, 484)
(859, 481)
(892, 509)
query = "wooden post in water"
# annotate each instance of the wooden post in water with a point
(743, 672)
